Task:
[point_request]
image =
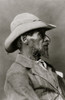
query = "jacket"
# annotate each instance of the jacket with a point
(26, 80)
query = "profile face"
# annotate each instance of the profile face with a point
(38, 43)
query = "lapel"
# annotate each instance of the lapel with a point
(47, 75)
(36, 69)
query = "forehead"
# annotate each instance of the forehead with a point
(35, 34)
(40, 32)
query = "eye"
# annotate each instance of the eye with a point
(42, 33)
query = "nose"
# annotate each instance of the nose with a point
(47, 39)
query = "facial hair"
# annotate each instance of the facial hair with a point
(44, 52)
(37, 54)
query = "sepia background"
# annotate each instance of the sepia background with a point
(50, 11)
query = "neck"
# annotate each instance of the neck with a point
(28, 54)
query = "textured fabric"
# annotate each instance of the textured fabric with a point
(26, 80)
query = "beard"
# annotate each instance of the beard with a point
(37, 53)
(44, 52)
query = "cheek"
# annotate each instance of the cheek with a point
(31, 43)
(37, 43)
(40, 45)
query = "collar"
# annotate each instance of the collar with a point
(26, 62)
(42, 64)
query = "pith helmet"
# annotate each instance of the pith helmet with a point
(20, 25)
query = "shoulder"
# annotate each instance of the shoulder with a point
(16, 68)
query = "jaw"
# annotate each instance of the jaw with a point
(37, 54)
(44, 51)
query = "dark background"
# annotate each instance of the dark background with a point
(50, 11)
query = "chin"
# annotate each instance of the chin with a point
(45, 54)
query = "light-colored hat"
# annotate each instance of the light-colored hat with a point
(20, 25)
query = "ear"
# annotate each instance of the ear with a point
(24, 39)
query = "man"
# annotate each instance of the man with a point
(30, 77)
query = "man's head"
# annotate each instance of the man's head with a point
(26, 26)
(33, 44)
